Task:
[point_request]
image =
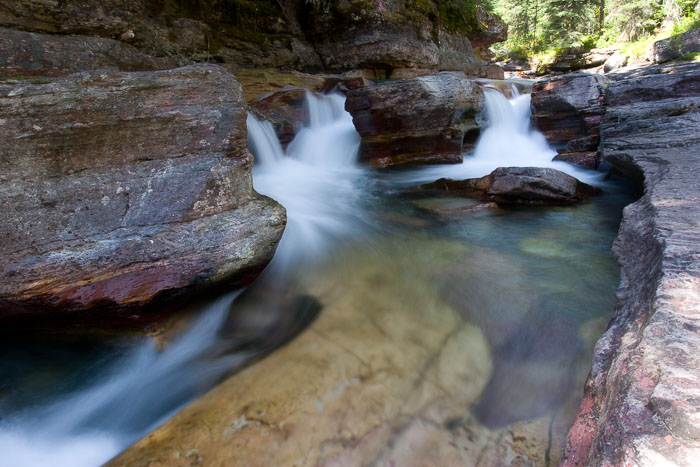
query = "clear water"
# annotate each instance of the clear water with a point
(530, 278)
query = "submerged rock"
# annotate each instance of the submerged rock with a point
(641, 401)
(521, 185)
(421, 120)
(126, 189)
(568, 110)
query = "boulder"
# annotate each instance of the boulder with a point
(521, 185)
(24, 54)
(615, 61)
(421, 120)
(126, 189)
(640, 402)
(285, 110)
(568, 110)
(676, 46)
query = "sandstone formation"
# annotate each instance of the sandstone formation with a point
(377, 36)
(568, 110)
(122, 189)
(26, 54)
(641, 399)
(386, 375)
(521, 185)
(674, 47)
(421, 120)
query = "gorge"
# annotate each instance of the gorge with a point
(440, 283)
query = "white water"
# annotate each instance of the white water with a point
(508, 141)
(317, 180)
(317, 183)
(320, 185)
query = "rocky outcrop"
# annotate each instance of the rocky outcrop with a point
(641, 400)
(285, 110)
(676, 46)
(521, 185)
(124, 189)
(568, 110)
(421, 120)
(26, 54)
(378, 36)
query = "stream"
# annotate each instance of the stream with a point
(538, 282)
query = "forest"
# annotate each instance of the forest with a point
(546, 28)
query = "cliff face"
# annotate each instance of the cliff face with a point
(381, 37)
(641, 400)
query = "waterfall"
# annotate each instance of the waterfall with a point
(318, 182)
(507, 141)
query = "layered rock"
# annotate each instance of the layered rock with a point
(521, 185)
(421, 120)
(377, 36)
(568, 110)
(641, 400)
(676, 46)
(26, 54)
(123, 189)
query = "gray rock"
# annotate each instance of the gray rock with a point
(641, 400)
(521, 185)
(26, 54)
(568, 110)
(421, 120)
(676, 46)
(615, 61)
(123, 189)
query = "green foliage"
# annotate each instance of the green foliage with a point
(543, 29)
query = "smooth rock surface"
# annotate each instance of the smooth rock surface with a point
(568, 110)
(421, 120)
(25, 54)
(122, 189)
(386, 375)
(521, 185)
(642, 398)
(669, 49)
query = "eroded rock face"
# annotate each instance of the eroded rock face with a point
(379, 36)
(568, 110)
(420, 120)
(673, 47)
(641, 400)
(124, 188)
(26, 54)
(521, 185)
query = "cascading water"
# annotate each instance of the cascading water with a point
(317, 182)
(508, 141)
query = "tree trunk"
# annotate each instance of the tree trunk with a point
(601, 15)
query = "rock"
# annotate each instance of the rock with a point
(261, 82)
(522, 185)
(385, 374)
(379, 36)
(127, 189)
(640, 401)
(27, 54)
(421, 120)
(568, 110)
(676, 46)
(285, 110)
(615, 61)
(587, 160)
